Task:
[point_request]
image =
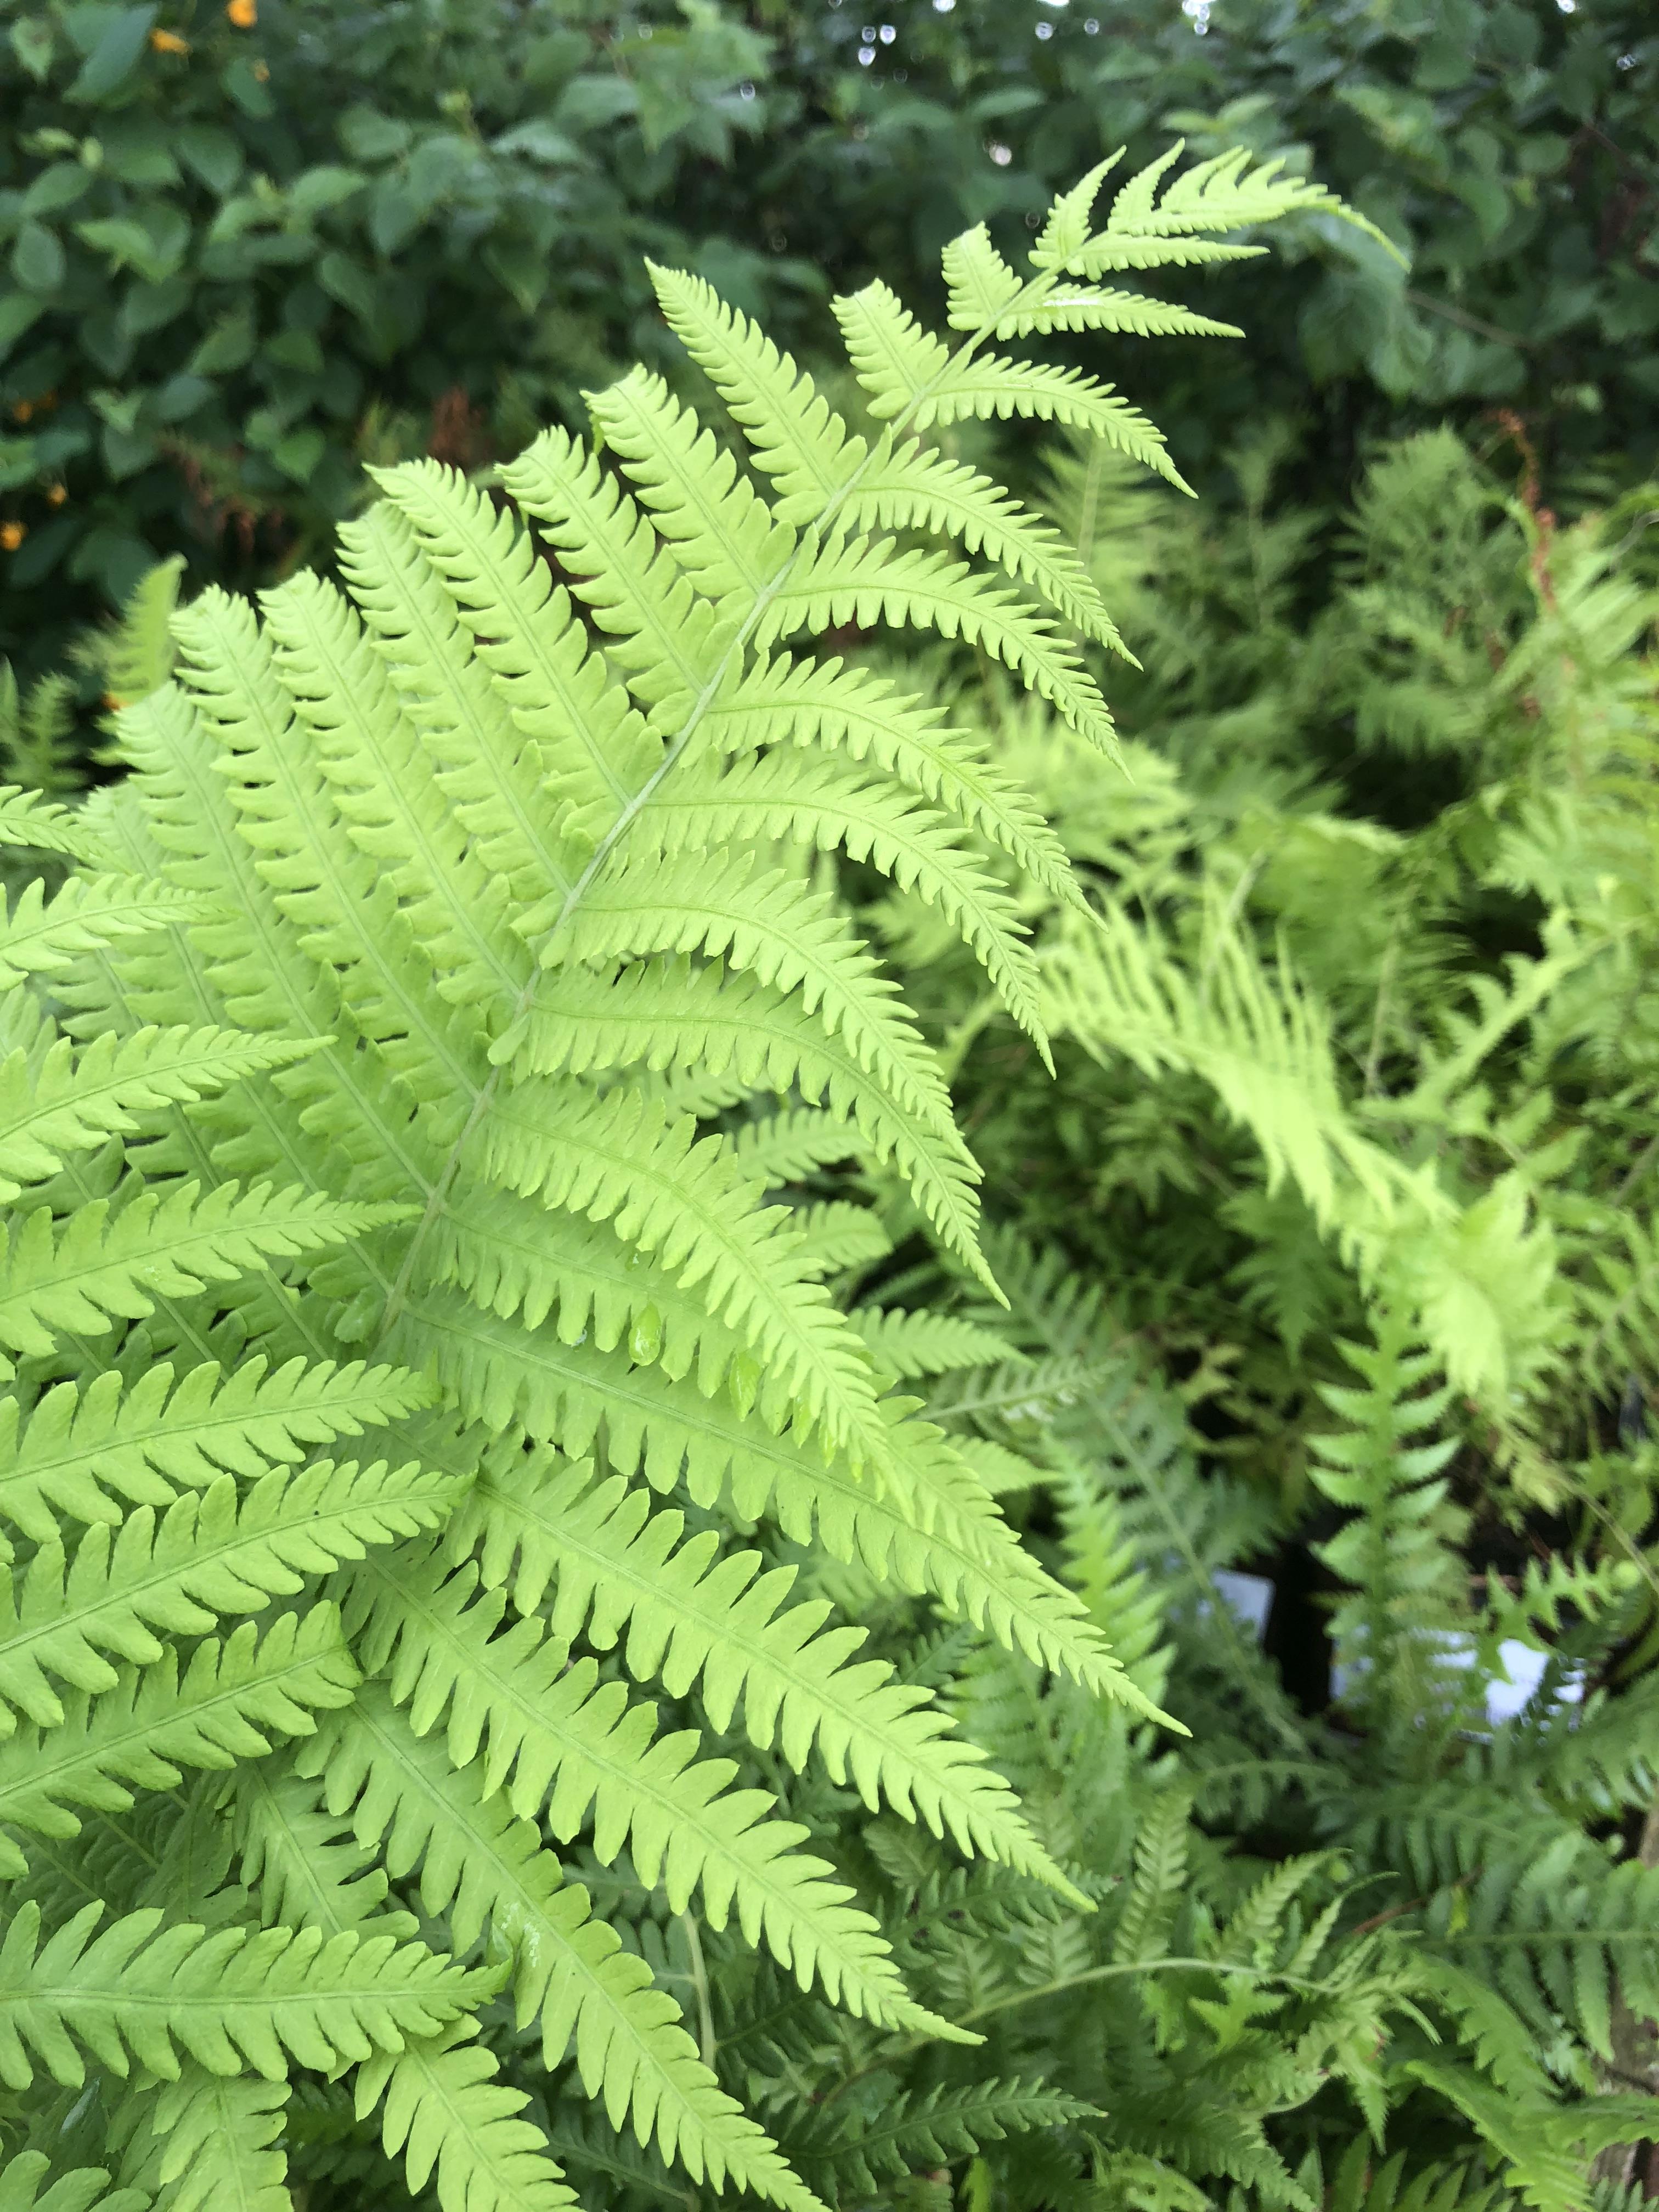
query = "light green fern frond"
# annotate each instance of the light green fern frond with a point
(212, 2142)
(143, 1441)
(479, 951)
(104, 1266)
(212, 1552)
(28, 819)
(683, 1614)
(41, 936)
(479, 1861)
(141, 1990)
(232, 1701)
(58, 1102)
(82, 2191)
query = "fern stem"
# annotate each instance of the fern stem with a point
(1120, 1968)
(706, 2038)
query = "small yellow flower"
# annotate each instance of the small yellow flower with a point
(168, 42)
(21, 411)
(56, 495)
(261, 74)
(12, 535)
(245, 14)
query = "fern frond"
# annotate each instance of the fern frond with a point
(81, 2191)
(1160, 1868)
(212, 1552)
(445, 2112)
(671, 1014)
(938, 2128)
(216, 2144)
(725, 539)
(1259, 1037)
(143, 1991)
(104, 1265)
(821, 702)
(330, 889)
(27, 818)
(673, 1195)
(135, 654)
(668, 639)
(41, 937)
(397, 814)
(797, 438)
(231, 1702)
(824, 802)
(479, 1862)
(792, 942)
(144, 1440)
(909, 374)
(596, 752)
(552, 1732)
(787, 1147)
(838, 1237)
(1223, 194)
(683, 1614)
(485, 768)
(64, 1101)
(939, 1533)
(914, 488)
(873, 581)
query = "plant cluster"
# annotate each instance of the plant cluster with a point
(577, 1625)
(414, 1088)
(1347, 1274)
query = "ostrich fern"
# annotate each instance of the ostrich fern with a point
(393, 1096)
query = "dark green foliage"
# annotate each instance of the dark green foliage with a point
(242, 261)
(250, 251)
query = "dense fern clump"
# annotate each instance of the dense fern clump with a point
(399, 1089)
(1353, 1127)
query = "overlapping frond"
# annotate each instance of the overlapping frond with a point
(29, 819)
(213, 1553)
(230, 1998)
(108, 1263)
(551, 1732)
(681, 1613)
(82, 1448)
(232, 1702)
(479, 1864)
(59, 1102)
(82, 2190)
(212, 2141)
(41, 936)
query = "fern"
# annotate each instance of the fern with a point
(450, 1024)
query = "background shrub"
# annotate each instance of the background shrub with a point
(246, 249)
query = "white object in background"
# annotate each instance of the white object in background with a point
(1508, 1694)
(1249, 1598)
(1523, 1674)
